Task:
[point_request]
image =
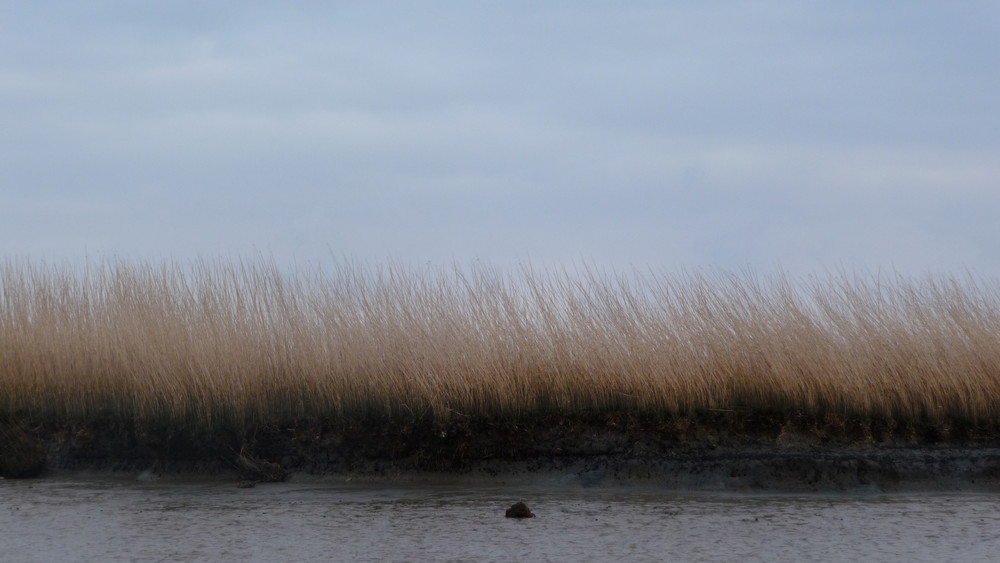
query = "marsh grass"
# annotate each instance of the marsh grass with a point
(240, 342)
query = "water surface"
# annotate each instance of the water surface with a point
(119, 520)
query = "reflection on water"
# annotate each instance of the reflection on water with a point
(102, 520)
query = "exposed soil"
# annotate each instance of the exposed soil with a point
(707, 450)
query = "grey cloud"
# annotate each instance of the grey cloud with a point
(725, 133)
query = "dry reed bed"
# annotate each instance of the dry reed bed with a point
(241, 341)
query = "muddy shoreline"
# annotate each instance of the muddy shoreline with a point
(713, 451)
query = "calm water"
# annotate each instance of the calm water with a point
(105, 520)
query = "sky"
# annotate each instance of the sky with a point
(806, 136)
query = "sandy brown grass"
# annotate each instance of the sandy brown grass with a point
(225, 341)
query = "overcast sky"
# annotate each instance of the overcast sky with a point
(809, 136)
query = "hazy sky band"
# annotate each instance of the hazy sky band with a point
(808, 135)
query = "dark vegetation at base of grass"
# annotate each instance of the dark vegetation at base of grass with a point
(269, 451)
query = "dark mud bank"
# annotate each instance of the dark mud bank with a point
(711, 452)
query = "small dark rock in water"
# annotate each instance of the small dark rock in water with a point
(246, 484)
(519, 510)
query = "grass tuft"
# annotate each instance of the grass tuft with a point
(241, 342)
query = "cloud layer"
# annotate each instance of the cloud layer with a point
(722, 133)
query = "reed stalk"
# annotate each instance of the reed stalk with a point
(230, 341)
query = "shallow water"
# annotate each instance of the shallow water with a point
(118, 520)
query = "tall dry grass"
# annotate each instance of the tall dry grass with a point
(242, 341)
